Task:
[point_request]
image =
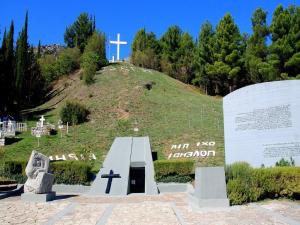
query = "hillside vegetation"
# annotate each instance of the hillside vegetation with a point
(170, 113)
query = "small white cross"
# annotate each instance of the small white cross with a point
(42, 121)
(118, 43)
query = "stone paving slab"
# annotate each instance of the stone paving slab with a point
(236, 215)
(18, 212)
(143, 213)
(285, 208)
(83, 214)
(163, 209)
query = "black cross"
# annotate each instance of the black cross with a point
(110, 176)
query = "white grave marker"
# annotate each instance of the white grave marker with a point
(42, 119)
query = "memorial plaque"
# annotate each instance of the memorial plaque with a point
(262, 123)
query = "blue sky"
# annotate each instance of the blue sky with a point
(49, 18)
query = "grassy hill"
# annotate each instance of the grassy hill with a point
(170, 113)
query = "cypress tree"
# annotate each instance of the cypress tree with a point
(38, 55)
(21, 60)
(33, 82)
(10, 68)
(10, 42)
(4, 46)
(94, 24)
(3, 98)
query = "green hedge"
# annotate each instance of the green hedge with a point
(67, 172)
(246, 184)
(71, 172)
(180, 171)
(15, 170)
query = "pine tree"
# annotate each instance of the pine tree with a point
(292, 66)
(170, 43)
(257, 50)
(145, 50)
(185, 72)
(70, 37)
(79, 32)
(204, 56)
(140, 41)
(227, 51)
(285, 56)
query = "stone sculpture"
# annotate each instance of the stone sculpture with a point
(37, 170)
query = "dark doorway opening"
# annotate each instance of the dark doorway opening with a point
(137, 180)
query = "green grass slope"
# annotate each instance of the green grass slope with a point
(170, 113)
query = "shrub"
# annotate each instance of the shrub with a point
(147, 59)
(238, 170)
(174, 170)
(15, 170)
(246, 184)
(67, 172)
(94, 57)
(48, 67)
(96, 44)
(284, 162)
(53, 67)
(278, 182)
(89, 64)
(73, 113)
(67, 61)
(175, 178)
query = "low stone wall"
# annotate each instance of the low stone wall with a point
(70, 189)
(162, 187)
(175, 187)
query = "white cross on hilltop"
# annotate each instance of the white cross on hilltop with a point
(118, 43)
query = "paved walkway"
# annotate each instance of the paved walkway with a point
(166, 209)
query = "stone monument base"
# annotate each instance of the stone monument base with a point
(210, 188)
(30, 197)
(208, 203)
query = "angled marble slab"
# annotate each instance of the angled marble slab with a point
(124, 153)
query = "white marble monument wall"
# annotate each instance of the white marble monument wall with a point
(262, 123)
